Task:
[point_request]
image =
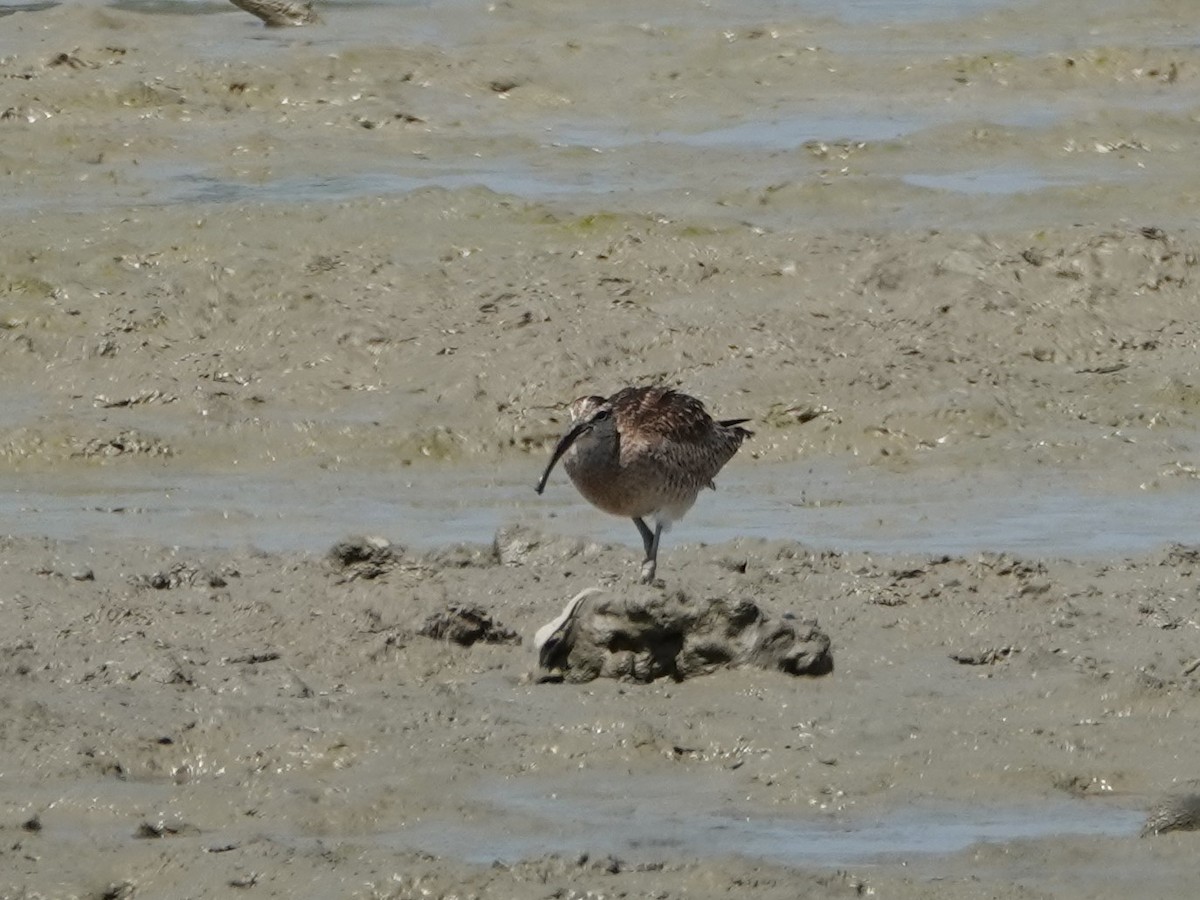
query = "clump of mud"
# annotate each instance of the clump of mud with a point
(646, 635)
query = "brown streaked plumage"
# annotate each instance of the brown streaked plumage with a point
(645, 452)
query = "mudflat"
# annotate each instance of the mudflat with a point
(928, 253)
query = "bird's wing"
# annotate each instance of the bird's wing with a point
(672, 433)
(658, 413)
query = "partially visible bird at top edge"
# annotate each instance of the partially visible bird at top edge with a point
(280, 13)
(645, 452)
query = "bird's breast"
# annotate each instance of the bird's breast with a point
(637, 487)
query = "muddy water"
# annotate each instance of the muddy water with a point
(1052, 514)
(635, 819)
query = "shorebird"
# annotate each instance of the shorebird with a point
(645, 452)
(279, 13)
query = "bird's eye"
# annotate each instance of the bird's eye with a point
(602, 415)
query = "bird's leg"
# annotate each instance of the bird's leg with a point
(646, 533)
(651, 562)
(650, 541)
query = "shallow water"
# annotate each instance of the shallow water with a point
(644, 818)
(1005, 180)
(1050, 515)
(634, 817)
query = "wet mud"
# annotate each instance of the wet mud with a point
(265, 289)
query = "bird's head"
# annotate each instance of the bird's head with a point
(589, 416)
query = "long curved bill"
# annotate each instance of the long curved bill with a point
(564, 445)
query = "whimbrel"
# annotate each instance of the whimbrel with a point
(279, 13)
(645, 452)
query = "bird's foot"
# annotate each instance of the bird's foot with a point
(648, 568)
